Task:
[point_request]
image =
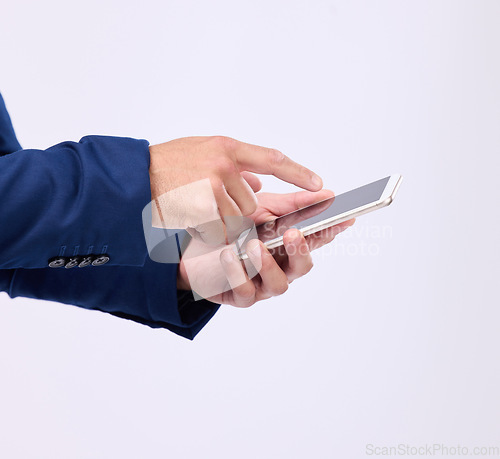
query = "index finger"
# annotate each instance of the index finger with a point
(269, 161)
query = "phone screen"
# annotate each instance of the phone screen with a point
(323, 210)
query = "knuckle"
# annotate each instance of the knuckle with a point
(282, 287)
(217, 139)
(246, 296)
(307, 268)
(275, 157)
(217, 185)
(245, 305)
(224, 166)
(204, 206)
(224, 143)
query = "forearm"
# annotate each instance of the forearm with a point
(75, 198)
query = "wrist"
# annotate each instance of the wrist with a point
(153, 167)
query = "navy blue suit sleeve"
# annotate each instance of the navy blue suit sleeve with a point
(74, 198)
(145, 294)
(79, 198)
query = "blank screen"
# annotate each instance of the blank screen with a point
(323, 210)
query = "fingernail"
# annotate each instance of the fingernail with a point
(316, 181)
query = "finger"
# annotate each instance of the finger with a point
(299, 256)
(243, 289)
(323, 237)
(287, 221)
(281, 204)
(273, 279)
(241, 193)
(226, 205)
(263, 160)
(252, 180)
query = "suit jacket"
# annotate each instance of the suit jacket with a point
(71, 231)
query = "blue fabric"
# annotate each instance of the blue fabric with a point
(79, 198)
(75, 197)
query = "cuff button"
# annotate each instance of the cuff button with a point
(100, 260)
(73, 261)
(57, 262)
(86, 261)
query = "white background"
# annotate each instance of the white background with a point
(392, 338)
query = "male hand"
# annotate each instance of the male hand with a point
(199, 180)
(276, 269)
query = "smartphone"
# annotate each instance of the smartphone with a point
(326, 213)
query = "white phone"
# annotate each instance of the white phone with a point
(326, 213)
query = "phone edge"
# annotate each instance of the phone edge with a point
(385, 200)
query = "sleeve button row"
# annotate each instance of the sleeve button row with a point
(80, 261)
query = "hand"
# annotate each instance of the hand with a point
(276, 268)
(198, 180)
